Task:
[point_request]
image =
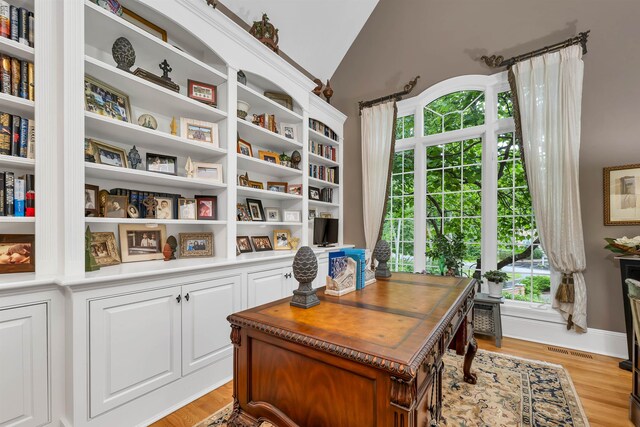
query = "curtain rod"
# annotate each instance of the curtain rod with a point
(397, 96)
(498, 61)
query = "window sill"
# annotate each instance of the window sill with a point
(534, 311)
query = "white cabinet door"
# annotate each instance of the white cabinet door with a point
(205, 329)
(134, 343)
(23, 366)
(266, 286)
(323, 270)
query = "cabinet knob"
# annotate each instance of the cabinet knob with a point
(187, 296)
(287, 275)
(179, 298)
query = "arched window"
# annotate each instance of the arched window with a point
(454, 111)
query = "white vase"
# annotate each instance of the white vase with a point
(243, 109)
(495, 289)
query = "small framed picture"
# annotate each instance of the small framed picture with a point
(17, 253)
(116, 206)
(261, 243)
(255, 210)
(272, 214)
(269, 156)
(91, 205)
(142, 242)
(148, 121)
(132, 211)
(199, 131)
(160, 163)
(295, 189)
(281, 240)
(313, 213)
(186, 208)
(111, 155)
(243, 244)
(325, 215)
(164, 210)
(102, 99)
(279, 187)
(622, 195)
(280, 98)
(242, 212)
(243, 180)
(209, 171)
(244, 148)
(142, 23)
(292, 216)
(314, 193)
(207, 207)
(203, 92)
(256, 184)
(104, 248)
(289, 131)
(193, 245)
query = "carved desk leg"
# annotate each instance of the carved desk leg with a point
(472, 348)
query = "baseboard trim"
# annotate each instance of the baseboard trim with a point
(596, 341)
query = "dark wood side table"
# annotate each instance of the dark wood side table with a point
(486, 317)
(629, 269)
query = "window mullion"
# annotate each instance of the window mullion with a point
(490, 184)
(420, 206)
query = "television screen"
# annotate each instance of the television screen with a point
(325, 231)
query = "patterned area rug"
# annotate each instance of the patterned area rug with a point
(510, 392)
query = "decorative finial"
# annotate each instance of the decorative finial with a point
(174, 126)
(382, 253)
(493, 61)
(318, 89)
(305, 270)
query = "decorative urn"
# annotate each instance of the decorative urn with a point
(123, 53)
(243, 109)
(305, 270)
(382, 253)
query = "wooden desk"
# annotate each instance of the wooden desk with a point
(369, 358)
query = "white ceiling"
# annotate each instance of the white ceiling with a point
(314, 33)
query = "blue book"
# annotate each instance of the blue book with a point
(19, 197)
(359, 256)
(24, 137)
(334, 260)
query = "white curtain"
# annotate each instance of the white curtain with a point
(377, 125)
(549, 91)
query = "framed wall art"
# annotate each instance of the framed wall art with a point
(272, 214)
(17, 253)
(199, 131)
(194, 245)
(142, 242)
(209, 171)
(289, 131)
(186, 208)
(91, 204)
(280, 98)
(102, 99)
(261, 243)
(281, 240)
(622, 195)
(207, 207)
(278, 187)
(110, 155)
(160, 163)
(137, 20)
(104, 248)
(244, 148)
(164, 210)
(255, 210)
(203, 92)
(269, 156)
(243, 244)
(116, 206)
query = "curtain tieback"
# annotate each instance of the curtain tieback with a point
(566, 290)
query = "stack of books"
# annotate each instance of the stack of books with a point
(17, 136)
(322, 150)
(17, 195)
(329, 174)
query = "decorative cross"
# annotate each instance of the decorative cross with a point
(150, 203)
(166, 69)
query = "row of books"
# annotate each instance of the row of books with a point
(136, 198)
(267, 121)
(17, 77)
(17, 136)
(17, 195)
(16, 23)
(322, 150)
(320, 127)
(326, 195)
(325, 173)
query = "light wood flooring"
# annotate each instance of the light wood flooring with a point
(603, 387)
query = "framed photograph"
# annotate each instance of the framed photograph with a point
(292, 216)
(261, 243)
(100, 98)
(104, 248)
(255, 210)
(207, 207)
(622, 195)
(325, 215)
(111, 155)
(244, 148)
(280, 98)
(199, 131)
(17, 253)
(203, 92)
(279, 187)
(272, 214)
(116, 206)
(313, 213)
(91, 204)
(243, 180)
(243, 244)
(160, 163)
(186, 208)
(256, 184)
(142, 242)
(164, 210)
(242, 212)
(281, 240)
(289, 131)
(269, 156)
(209, 171)
(314, 193)
(140, 22)
(295, 189)
(89, 155)
(193, 245)
(133, 212)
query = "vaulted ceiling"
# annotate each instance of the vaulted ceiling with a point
(314, 33)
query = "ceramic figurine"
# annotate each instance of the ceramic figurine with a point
(166, 251)
(296, 158)
(134, 158)
(318, 89)
(189, 168)
(173, 244)
(174, 127)
(294, 241)
(382, 253)
(305, 270)
(123, 53)
(328, 92)
(90, 263)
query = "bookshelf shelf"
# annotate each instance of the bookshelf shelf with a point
(17, 219)
(100, 220)
(104, 128)
(314, 182)
(268, 224)
(15, 105)
(259, 136)
(323, 204)
(261, 103)
(316, 159)
(149, 96)
(254, 165)
(16, 50)
(322, 139)
(17, 163)
(265, 194)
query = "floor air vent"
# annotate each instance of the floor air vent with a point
(570, 352)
